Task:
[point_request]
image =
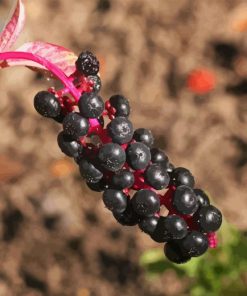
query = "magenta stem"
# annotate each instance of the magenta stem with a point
(212, 239)
(18, 55)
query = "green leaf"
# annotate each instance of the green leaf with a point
(191, 267)
(151, 256)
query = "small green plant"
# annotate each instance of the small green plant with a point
(219, 272)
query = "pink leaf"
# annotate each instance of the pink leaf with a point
(63, 58)
(14, 27)
(52, 68)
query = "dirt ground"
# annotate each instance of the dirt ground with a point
(56, 237)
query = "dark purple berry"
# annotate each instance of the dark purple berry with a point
(91, 105)
(209, 218)
(96, 82)
(174, 254)
(170, 228)
(75, 125)
(47, 104)
(160, 234)
(121, 105)
(148, 224)
(60, 117)
(170, 167)
(99, 186)
(120, 129)
(182, 176)
(176, 227)
(115, 200)
(89, 172)
(202, 197)
(128, 217)
(145, 202)
(87, 64)
(159, 157)
(81, 155)
(194, 244)
(123, 179)
(144, 136)
(68, 146)
(101, 121)
(156, 176)
(185, 201)
(138, 156)
(112, 156)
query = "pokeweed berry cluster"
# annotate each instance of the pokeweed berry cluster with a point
(121, 162)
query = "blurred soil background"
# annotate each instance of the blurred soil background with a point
(56, 237)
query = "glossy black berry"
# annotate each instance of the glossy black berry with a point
(138, 156)
(81, 155)
(194, 244)
(47, 104)
(128, 217)
(156, 176)
(98, 186)
(68, 146)
(121, 105)
(75, 125)
(169, 168)
(115, 200)
(96, 82)
(144, 136)
(170, 228)
(89, 172)
(122, 179)
(182, 176)
(176, 227)
(87, 64)
(184, 200)
(159, 157)
(120, 129)
(148, 224)
(60, 117)
(101, 121)
(91, 105)
(174, 254)
(160, 234)
(112, 156)
(202, 197)
(145, 202)
(209, 218)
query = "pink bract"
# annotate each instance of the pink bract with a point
(59, 56)
(13, 28)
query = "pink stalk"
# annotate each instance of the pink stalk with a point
(67, 81)
(18, 55)
(212, 239)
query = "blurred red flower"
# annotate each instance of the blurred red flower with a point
(201, 81)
